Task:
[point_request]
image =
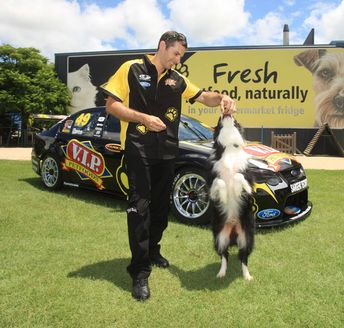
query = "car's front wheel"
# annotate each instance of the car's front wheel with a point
(51, 173)
(190, 197)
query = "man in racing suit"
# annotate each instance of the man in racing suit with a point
(146, 95)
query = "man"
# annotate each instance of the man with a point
(146, 95)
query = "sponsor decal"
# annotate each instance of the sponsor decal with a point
(269, 213)
(144, 77)
(182, 69)
(171, 114)
(71, 184)
(98, 133)
(88, 163)
(76, 131)
(132, 209)
(145, 84)
(273, 157)
(141, 128)
(67, 126)
(259, 150)
(170, 82)
(116, 148)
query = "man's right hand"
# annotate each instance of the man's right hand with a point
(154, 123)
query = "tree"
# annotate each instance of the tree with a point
(29, 84)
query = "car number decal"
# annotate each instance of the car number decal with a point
(83, 119)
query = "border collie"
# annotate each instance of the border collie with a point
(231, 195)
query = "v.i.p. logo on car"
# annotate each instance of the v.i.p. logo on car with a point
(88, 163)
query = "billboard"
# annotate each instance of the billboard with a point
(273, 87)
(281, 87)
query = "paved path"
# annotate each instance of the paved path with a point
(312, 162)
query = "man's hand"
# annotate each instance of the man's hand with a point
(212, 99)
(153, 123)
(227, 105)
(118, 109)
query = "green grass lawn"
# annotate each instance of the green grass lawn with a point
(64, 254)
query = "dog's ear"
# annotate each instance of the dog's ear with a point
(309, 58)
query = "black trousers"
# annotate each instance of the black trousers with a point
(147, 214)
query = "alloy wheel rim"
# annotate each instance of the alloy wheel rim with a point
(50, 172)
(190, 196)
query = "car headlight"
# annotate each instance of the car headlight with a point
(274, 181)
(298, 173)
(267, 176)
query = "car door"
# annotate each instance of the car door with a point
(114, 155)
(81, 148)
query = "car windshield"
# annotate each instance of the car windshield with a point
(191, 129)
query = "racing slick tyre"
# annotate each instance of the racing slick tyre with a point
(51, 173)
(190, 197)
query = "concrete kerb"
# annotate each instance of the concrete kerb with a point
(308, 162)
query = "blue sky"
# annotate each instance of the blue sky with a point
(54, 26)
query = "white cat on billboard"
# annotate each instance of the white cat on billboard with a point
(83, 91)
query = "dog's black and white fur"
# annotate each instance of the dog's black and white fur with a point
(231, 195)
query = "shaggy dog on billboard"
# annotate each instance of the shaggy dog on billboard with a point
(328, 84)
(231, 195)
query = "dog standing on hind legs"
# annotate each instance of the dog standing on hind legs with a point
(231, 195)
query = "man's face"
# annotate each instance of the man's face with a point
(171, 56)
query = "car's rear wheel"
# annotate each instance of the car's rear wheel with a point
(51, 173)
(190, 197)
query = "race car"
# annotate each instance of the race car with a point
(83, 150)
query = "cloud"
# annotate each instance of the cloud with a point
(208, 22)
(265, 31)
(45, 24)
(64, 26)
(54, 26)
(327, 20)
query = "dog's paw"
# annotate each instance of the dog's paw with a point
(241, 184)
(248, 277)
(247, 188)
(238, 184)
(218, 190)
(246, 273)
(221, 274)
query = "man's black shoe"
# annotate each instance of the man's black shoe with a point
(140, 289)
(159, 261)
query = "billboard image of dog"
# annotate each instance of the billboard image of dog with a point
(328, 84)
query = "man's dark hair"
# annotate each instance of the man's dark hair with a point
(170, 37)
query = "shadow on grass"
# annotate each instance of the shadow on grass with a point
(205, 278)
(85, 195)
(113, 271)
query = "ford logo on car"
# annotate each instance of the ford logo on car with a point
(269, 213)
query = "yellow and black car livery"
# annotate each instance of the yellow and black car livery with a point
(84, 150)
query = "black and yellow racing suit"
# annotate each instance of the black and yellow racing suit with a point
(149, 155)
